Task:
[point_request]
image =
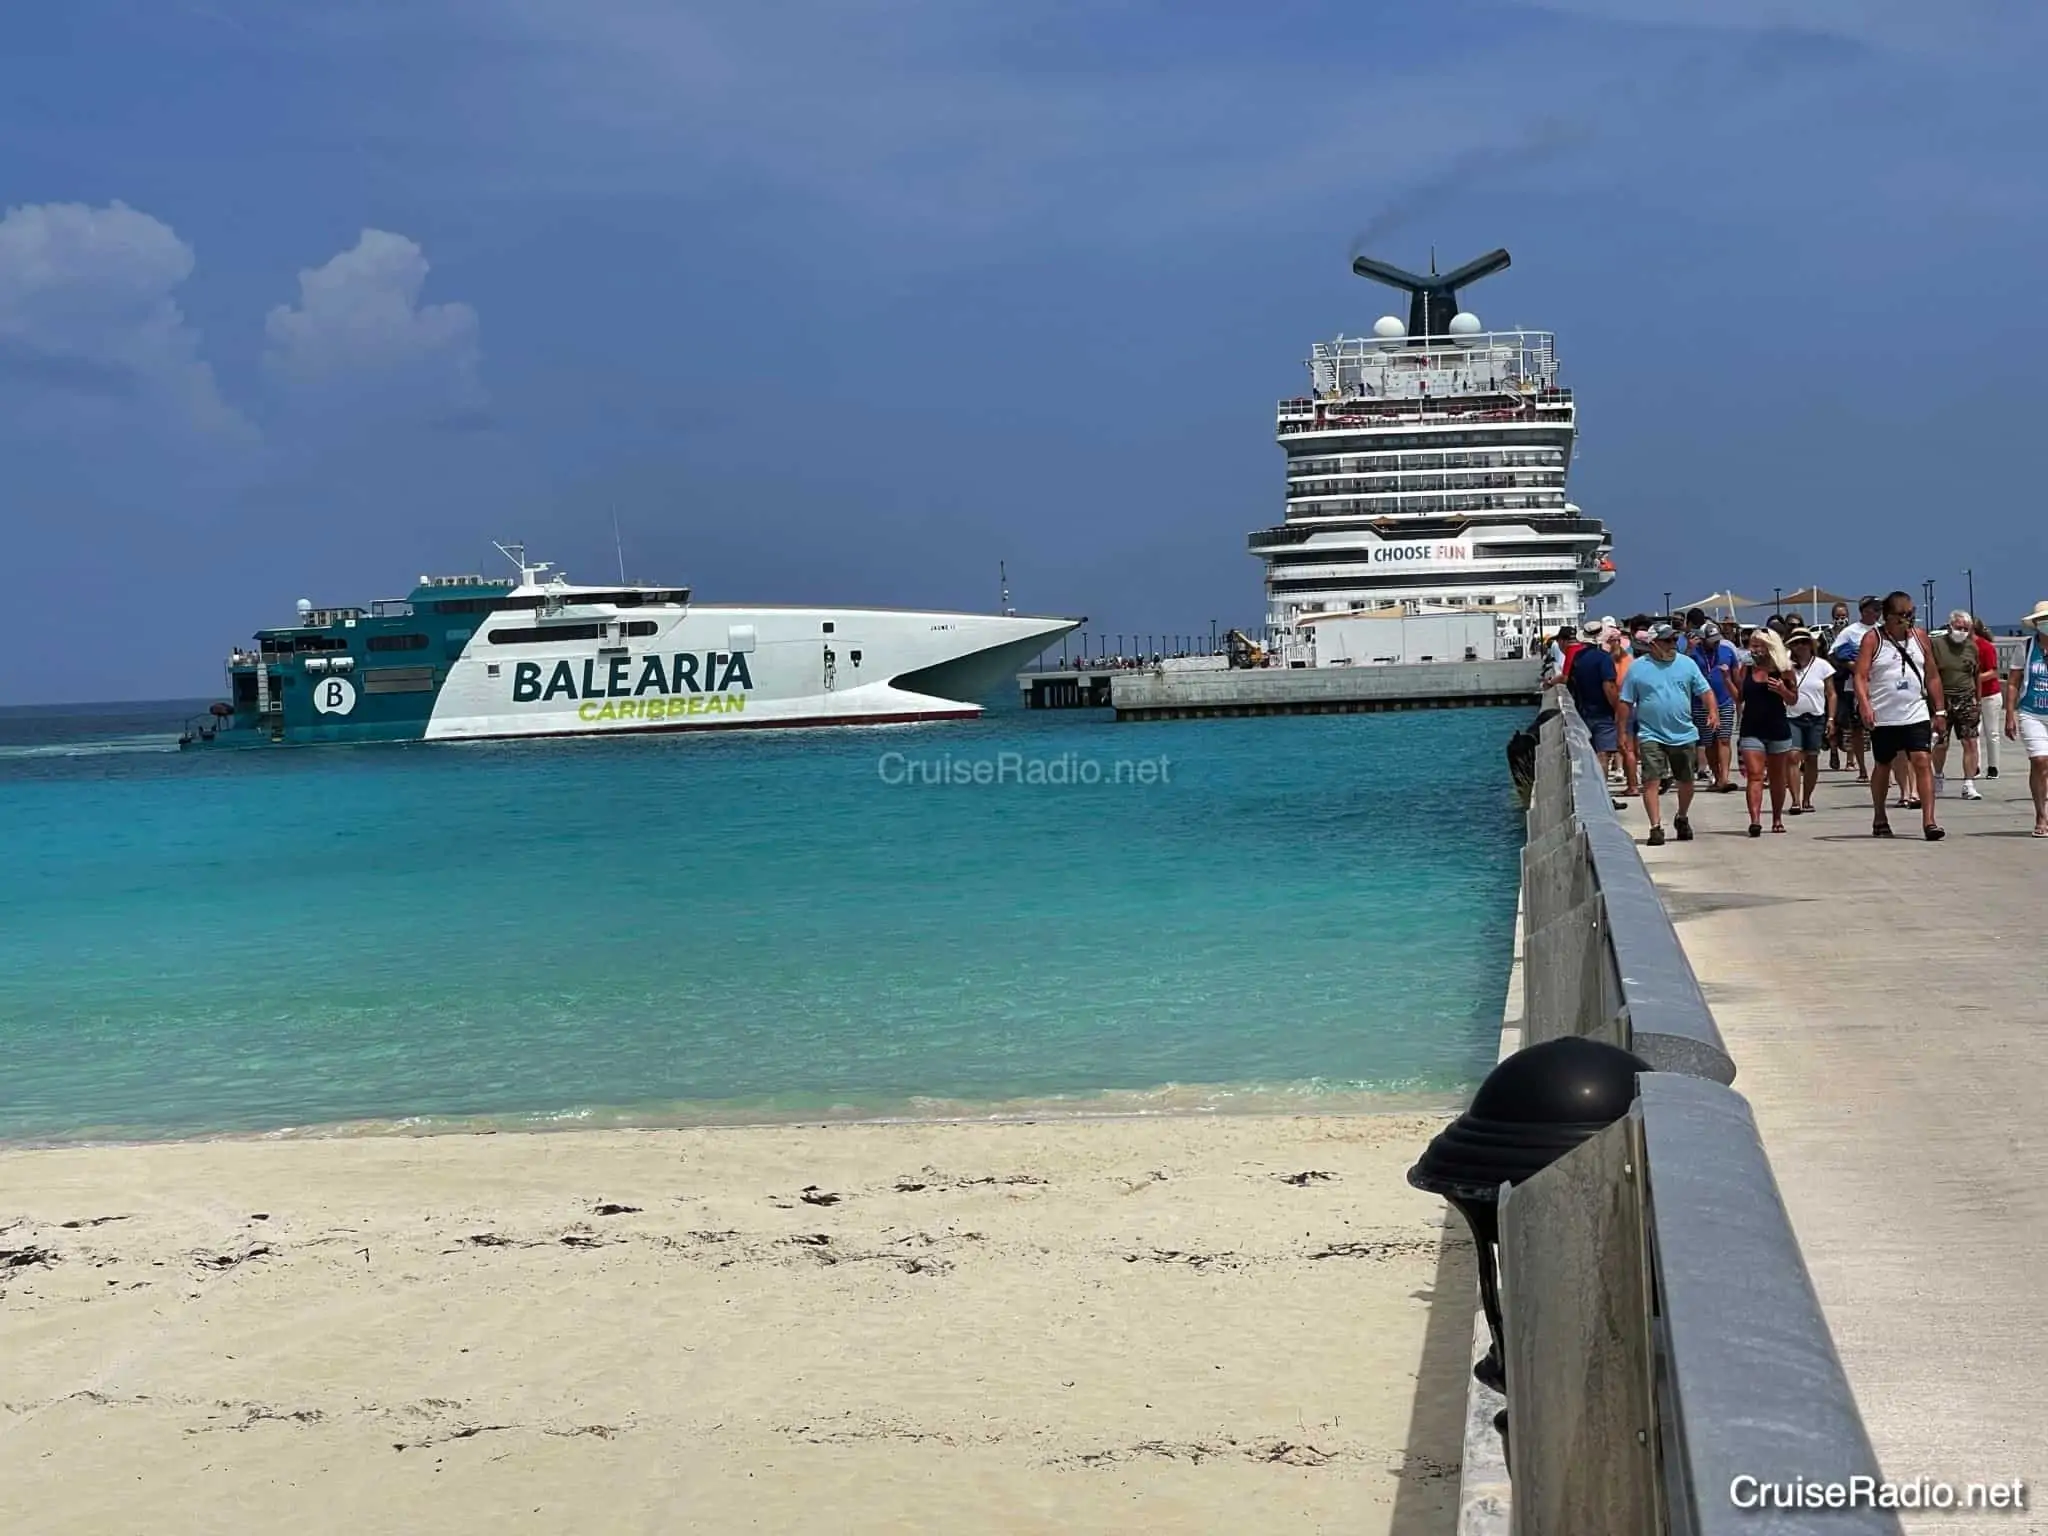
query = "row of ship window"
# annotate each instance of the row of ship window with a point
(1453, 501)
(314, 644)
(1325, 486)
(1350, 464)
(1553, 434)
(627, 599)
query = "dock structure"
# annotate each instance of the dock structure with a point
(1075, 687)
(1885, 1003)
(1158, 694)
(1655, 1353)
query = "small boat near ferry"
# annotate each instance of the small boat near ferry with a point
(466, 658)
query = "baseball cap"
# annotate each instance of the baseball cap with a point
(1710, 630)
(1869, 602)
(1662, 632)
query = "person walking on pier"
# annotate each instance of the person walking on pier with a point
(1594, 686)
(1765, 684)
(1899, 691)
(1838, 620)
(1956, 659)
(1851, 724)
(1990, 698)
(1621, 648)
(1656, 699)
(1812, 715)
(1717, 659)
(2026, 710)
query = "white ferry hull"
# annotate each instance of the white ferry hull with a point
(716, 667)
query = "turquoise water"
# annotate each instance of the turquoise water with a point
(744, 927)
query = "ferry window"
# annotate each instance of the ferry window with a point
(398, 642)
(828, 626)
(399, 680)
(641, 627)
(541, 634)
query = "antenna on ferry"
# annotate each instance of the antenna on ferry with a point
(1433, 299)
(620, 545)
(1003, 573)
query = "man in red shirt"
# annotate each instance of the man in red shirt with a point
(1992, 701)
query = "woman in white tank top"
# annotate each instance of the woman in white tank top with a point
(1900, 693)
(1898, 678)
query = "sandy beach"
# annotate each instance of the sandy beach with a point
(1176, 1324)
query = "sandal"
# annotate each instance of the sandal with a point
(1777, 825)
(1756, 829)
(1934, 834)
(1880, 828)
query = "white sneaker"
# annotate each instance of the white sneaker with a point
(1940, 784)
(1970, 790)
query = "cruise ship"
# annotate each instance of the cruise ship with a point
(1426, 476)
(465, 658)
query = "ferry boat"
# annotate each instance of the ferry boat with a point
(469, 659)
(1426, 479)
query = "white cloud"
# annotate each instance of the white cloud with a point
(359, 331)
(89, 327)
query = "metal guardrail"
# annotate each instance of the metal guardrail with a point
(1668, 1362)
(1632, 985)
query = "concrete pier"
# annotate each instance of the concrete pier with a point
(1156, 695)
(1886, 1003)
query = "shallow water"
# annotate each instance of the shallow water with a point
(676, 929)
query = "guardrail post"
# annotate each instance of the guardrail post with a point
(1576, 1299)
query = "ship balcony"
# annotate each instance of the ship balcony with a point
(1358, 417)
(1562, 528)
(1450, 503)
(1394, 482)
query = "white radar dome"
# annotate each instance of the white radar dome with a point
(1464, 325)
(1387, 327)
(305, 605)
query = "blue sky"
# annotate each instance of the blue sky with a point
(849, 302)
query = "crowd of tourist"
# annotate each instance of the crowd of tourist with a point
(1680, 705)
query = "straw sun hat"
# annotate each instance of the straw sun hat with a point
(2039, 614)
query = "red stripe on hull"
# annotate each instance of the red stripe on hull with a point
(806, 722)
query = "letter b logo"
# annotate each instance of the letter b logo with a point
(334, 696)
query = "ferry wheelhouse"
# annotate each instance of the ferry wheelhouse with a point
(1426, 477)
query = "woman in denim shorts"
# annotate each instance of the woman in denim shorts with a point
(1811, 715)
(1766, 686)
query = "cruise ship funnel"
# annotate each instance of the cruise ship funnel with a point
(1432, 299)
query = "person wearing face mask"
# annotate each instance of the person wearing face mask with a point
(2026, 710)
(1812, 715)
(1956, 659)
(1990, 699)
(1899, 693)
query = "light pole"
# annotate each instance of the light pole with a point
(1212, 637)
(1777, 599)
(1667, 605)
(1927, 613)
(1970, 577)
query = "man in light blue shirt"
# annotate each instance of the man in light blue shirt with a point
(1657, 699)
